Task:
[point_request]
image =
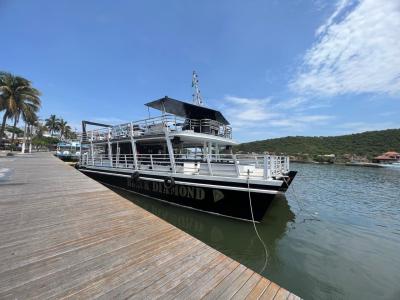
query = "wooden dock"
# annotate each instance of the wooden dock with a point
(63, 235)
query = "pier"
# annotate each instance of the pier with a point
(64, 235)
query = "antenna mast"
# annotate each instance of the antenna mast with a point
(196, 95)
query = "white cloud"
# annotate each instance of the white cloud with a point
(248, 101)
(340, 7)
(357, 51)
(243, 110)
(109, 120)
(291, 103)
(254, 114)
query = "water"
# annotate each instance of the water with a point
(335, 235)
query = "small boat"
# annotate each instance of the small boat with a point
(392, 165)
(184, 157)
(68, 150)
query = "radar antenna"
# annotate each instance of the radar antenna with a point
(196, 95)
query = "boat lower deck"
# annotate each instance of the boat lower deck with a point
(66, 236)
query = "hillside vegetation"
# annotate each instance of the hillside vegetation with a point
(368, 144)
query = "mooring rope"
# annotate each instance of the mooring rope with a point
(255, 227)
(301, 207)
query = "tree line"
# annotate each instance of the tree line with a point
(19, 100)
(368, 144)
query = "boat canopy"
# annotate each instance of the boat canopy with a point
(187, 110)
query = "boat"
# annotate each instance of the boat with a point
(68, 150)
(184, 157)
(392, 165)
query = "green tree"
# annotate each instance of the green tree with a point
(29, 116)
(64, 128)
(17, 97)
(52, 124)
(39, 128)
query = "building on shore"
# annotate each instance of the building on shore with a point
(388, 157)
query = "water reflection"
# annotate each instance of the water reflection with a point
(234, 238)
(335, 236)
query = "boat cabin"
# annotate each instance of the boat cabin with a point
(185, 138)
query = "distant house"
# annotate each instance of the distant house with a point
(8, 134)
(388, 157)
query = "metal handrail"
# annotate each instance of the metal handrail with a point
(264, 166)
(158, 124)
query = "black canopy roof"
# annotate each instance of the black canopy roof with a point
(186, 110)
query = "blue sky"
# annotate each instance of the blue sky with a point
(275, 68)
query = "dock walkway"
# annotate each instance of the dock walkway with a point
(63, 235)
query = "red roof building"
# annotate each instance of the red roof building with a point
(387, 157)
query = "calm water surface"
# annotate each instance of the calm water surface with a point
(335, 235)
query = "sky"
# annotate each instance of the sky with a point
(274, 68)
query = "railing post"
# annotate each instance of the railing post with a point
(287, 164)
(117, 156)
(92, 148)
(151, 161)
(266, 169)
(209, 165)
(109, 147)
(236, 165)
(101, 160)
(170, 151)
(134, 148)
(175, 124)
(80, 148)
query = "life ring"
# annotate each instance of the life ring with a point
(169, 182)
(135, 176)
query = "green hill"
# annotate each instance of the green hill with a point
(369, 144)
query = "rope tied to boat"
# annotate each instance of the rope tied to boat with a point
(254, 225)
(311, 216)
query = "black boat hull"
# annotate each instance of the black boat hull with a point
(227, 202)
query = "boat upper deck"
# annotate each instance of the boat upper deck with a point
(177, 117)
(157, 126)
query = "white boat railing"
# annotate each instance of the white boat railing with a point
(227, 165)
(157, 125)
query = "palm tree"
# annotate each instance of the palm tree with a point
(52, 124)
(63, 127)
(17, 96)
(39, 128)
(70, 134)
(29, 116)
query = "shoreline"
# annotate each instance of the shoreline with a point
(352, 164)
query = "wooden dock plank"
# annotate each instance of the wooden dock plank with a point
(243, 292)
(282, 294)
(236, 284)
(129, 285)
(270, 291)
(259, 289)
(202, 289)
(174, 277)
(63, 235)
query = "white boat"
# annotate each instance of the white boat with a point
(184, 157)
